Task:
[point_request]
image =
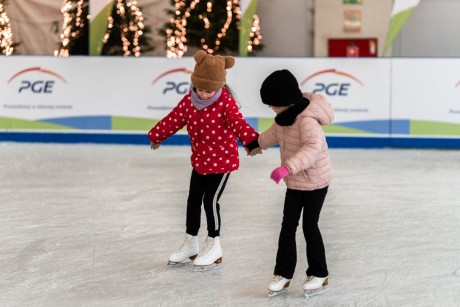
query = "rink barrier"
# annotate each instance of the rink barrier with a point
(378, 103)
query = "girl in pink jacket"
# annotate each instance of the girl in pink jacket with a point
(214, 124)
(306, 170)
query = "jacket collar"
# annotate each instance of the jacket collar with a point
(287, 118)
(199, 103)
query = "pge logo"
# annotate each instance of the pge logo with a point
(179, 87)
(37, 85)
(332, 88)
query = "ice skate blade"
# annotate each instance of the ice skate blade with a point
(176, 264)
(315, 292)
(182, 263)
(205, 268)
(275, 293)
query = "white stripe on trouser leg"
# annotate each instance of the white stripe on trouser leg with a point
(214, 201)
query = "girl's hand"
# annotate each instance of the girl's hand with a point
(279, 173)
(154, 146)
(255, 151)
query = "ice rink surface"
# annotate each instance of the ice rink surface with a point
(93, 225)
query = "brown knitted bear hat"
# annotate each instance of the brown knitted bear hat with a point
(210, 71)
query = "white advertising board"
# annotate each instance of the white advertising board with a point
(122, 92)
(426, 97)
(377, 98)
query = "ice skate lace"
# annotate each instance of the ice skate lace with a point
(312, 279)
(277, 278)
(184, 245)
(207, 248)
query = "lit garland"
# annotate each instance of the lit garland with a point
(255, 38)
(68, 34)
(6, 35)
(176, 39)
(223, 30)
(134, 29)
(176, 34)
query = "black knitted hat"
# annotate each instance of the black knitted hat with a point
(280, 89)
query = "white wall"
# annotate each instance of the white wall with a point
(287, 27)
(431, 31)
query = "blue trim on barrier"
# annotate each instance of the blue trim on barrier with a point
(103, 138)
(393, 142)
(357, 142)
(183, 139)
(425, 143)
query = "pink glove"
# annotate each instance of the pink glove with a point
(279, 173)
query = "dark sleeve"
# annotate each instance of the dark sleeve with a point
(253, 145)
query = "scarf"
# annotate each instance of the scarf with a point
(288, 117)
(200, 104)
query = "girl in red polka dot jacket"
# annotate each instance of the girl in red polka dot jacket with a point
(214, 124)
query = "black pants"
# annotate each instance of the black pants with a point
(311, 202)
(205, 189)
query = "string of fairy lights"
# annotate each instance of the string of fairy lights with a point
(255, 35)
(176, 35)
(134, 29)
(68, 31)
(176, 39)
(131, 32)
(224, 28)
(6, 35)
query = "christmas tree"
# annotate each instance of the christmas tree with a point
(126, 32)
(75, 34)
(211, 25)
(6, 36)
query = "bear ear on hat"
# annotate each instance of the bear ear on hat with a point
(229, 62)
(199, 56)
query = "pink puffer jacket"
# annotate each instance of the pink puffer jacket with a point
(303, 147)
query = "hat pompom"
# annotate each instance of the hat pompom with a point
(229, 62)
(199, 56)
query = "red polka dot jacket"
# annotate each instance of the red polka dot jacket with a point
(213, 133)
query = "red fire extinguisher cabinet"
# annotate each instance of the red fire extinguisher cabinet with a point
(352, 47)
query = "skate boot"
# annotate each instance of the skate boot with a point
(210, 257)
(186, 253)
(315, 285)
(278, 285)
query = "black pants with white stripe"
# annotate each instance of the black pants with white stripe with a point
(206, 190)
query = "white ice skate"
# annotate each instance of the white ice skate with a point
(277, 285)
(210, 257)
(186, 253)
(315, 286)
